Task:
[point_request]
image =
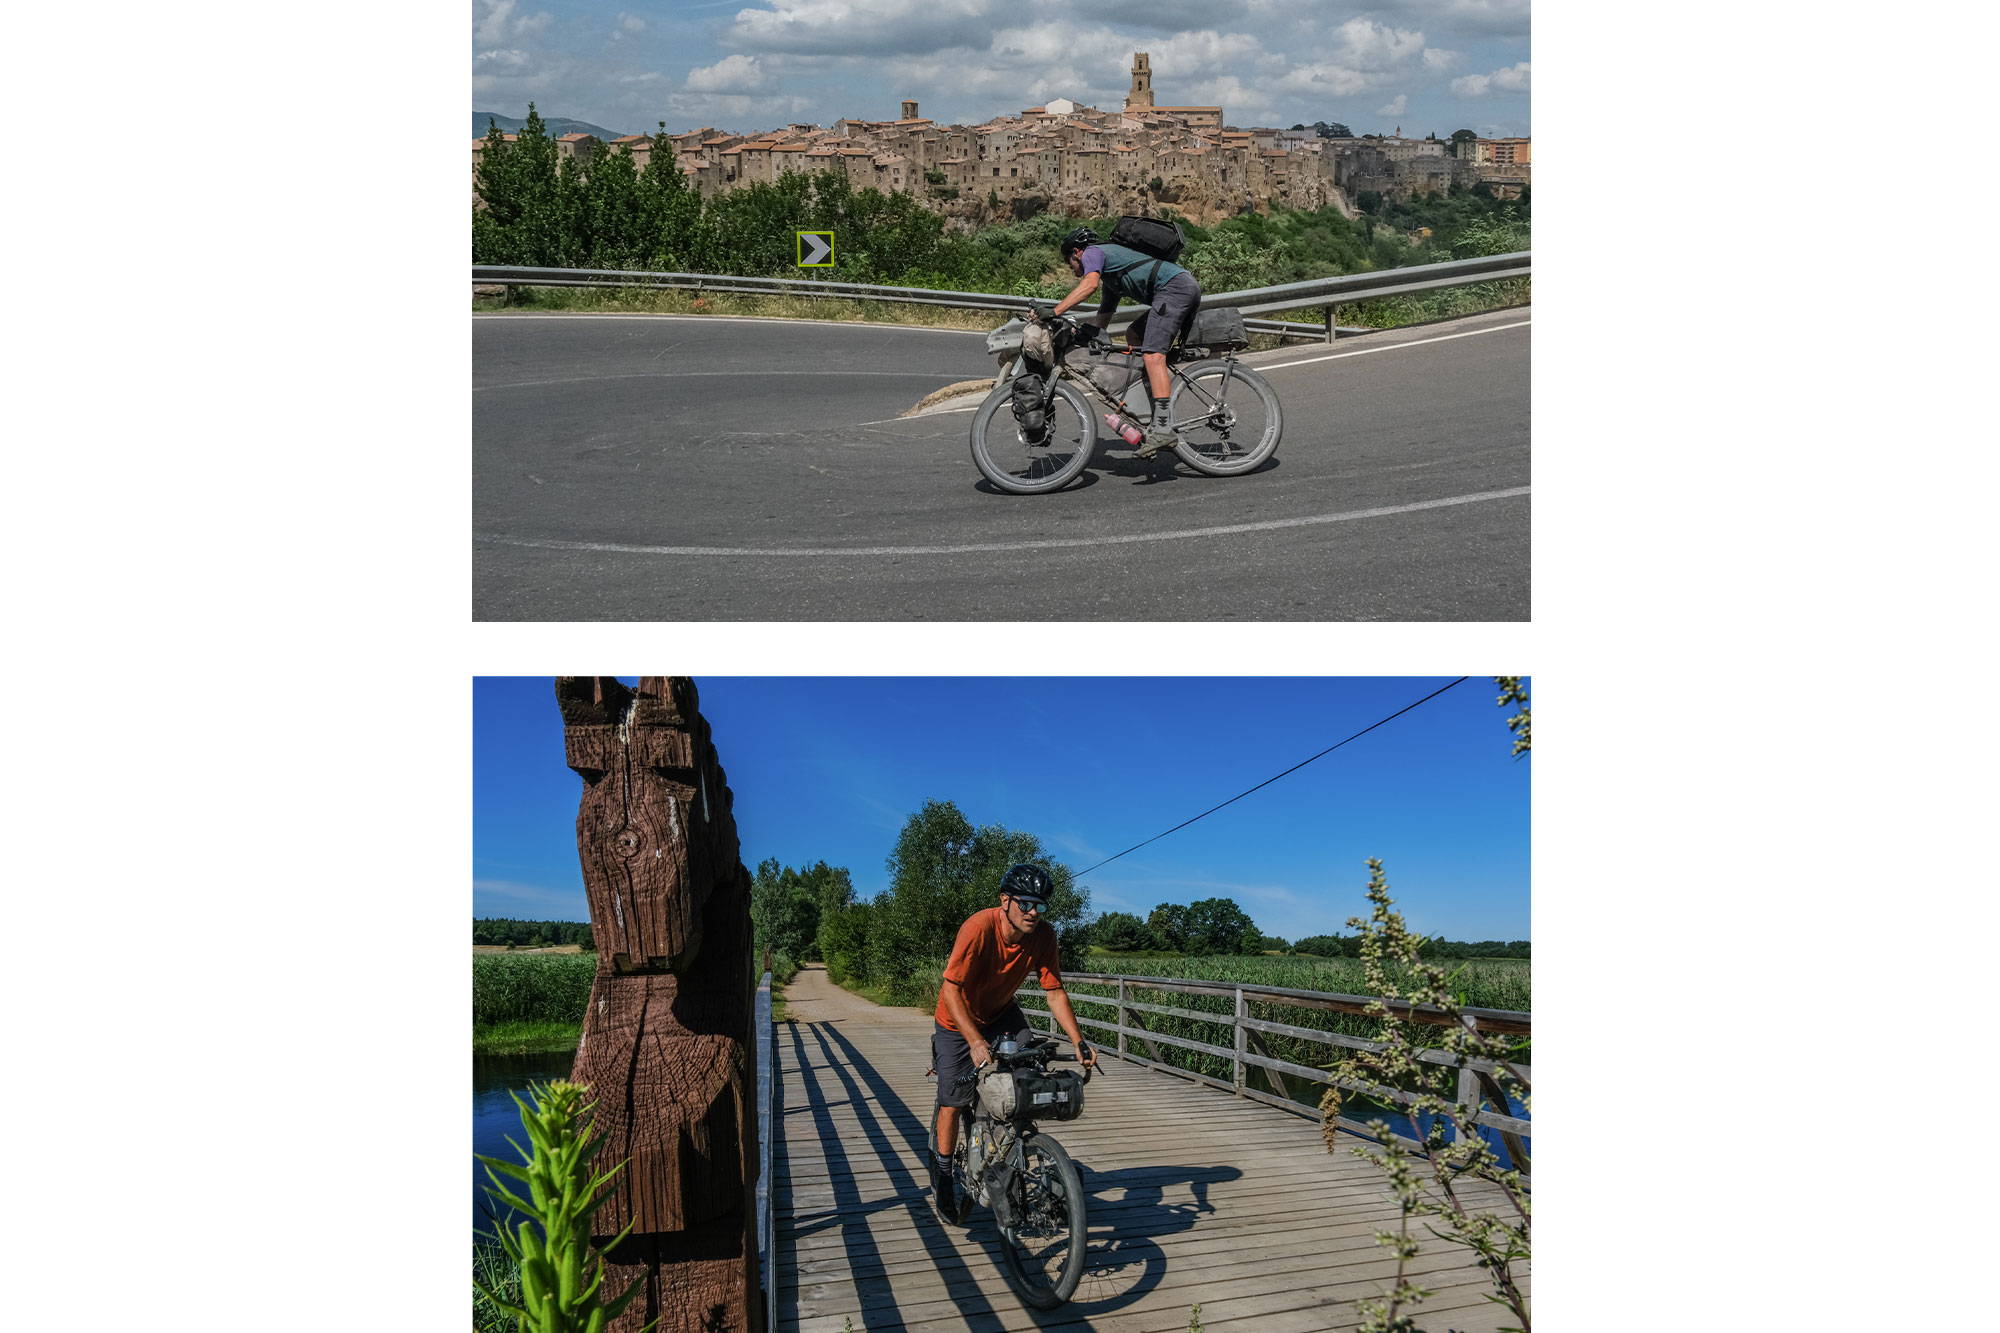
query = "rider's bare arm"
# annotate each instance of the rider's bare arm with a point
(961, 1014)
(1065, 1016)
(1079, 294)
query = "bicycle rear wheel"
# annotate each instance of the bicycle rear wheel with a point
(1010, 462)
(1042, 1253)
(1227, 416)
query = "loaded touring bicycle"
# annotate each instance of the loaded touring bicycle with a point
(1063, 387)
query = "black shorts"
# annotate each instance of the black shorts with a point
(1173, 309)
(951, 1054)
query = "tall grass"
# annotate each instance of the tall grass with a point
(530, 988)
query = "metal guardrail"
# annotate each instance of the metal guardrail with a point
(1477, 1081)
(1315, 293)
(766, 1255)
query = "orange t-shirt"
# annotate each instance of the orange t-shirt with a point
(990, 970)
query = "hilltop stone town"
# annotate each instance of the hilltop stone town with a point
(1088, 162)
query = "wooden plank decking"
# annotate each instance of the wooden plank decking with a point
(1196, 1197)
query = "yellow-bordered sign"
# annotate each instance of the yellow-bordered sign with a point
(815, 249)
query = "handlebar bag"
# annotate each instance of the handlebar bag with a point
(1009, 1094)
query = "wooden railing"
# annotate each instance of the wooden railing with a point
(1478, 1085)
(767, 1275)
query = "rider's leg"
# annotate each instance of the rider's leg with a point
(946, 1128)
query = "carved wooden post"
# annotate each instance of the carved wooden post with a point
(666, 1041)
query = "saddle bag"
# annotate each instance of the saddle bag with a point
(1149, 236)
(1008, 1094)
(1218, 330)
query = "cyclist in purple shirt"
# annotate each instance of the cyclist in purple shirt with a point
(1169, 291)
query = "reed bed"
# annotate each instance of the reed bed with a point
(530, 988)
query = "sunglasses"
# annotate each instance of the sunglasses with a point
(1027, 904)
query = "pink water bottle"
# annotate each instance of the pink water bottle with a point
(1128, 432)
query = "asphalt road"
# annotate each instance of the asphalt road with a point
(692, 468)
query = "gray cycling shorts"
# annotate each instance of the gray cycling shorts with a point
(951, 1055)
(1174, 305)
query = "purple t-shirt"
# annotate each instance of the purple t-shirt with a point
(1093, 262)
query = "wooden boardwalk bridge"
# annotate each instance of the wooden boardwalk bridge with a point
(1196, 1197)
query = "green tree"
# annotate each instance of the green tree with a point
(1168, 925)
(1121, 932)
(942, 870)
(843, 942)
(1218, 925)
(1228, 262)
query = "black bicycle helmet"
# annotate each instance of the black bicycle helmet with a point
(1071, 243)
(1026, 881)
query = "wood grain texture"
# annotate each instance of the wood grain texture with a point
(666, 1041)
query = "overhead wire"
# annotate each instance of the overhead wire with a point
(1275, 776)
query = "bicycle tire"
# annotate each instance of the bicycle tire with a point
(1031, 1190)
(1018, 468)
(1248, 434)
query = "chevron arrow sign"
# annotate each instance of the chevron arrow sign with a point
(815, 249)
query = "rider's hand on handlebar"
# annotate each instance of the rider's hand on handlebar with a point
(982, 1055)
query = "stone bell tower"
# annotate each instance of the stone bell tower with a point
(1142, 82)
(909, 111)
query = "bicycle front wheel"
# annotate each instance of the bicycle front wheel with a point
(1227, 416)
(1042, 1253)
(1005, 457)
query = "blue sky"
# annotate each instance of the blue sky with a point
(830, 768)
(1424, 65)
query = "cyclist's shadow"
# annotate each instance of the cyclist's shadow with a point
(1127, 1212)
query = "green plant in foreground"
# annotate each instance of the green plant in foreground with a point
(1436, 1181)
(560, 1276)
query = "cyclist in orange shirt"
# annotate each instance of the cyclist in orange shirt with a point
(995, 950)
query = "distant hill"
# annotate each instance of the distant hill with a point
(557, 127)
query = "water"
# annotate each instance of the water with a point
(1400, 1123)
(495, 1118)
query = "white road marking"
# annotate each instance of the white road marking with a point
(754, 319)
(1054, 543)
(708, 374)
(1390, 347)
(1283, 365)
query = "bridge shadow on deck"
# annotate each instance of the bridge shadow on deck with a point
(895, 1146)
(1128, 1209)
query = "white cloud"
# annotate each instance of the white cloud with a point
(840, 27)
(1371, 46)
(494, 60)
(514, 894)
(1395, 108)
(731, 74)
(1492, 18)
(496, 21)
(1510, 80)
(738, 110)
(628, 25)
(1437, 61)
